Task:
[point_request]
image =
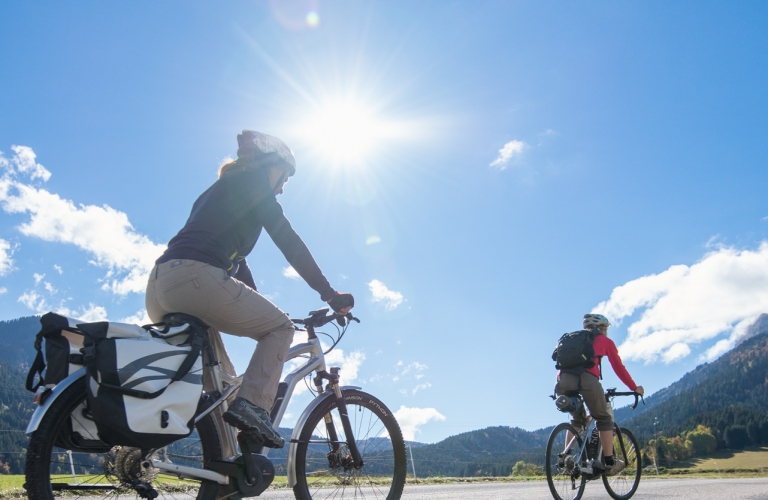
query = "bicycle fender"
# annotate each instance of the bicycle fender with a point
(293, 446)
(39, 413)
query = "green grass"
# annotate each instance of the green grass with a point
(750, 458)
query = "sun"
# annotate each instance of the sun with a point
(347, 132)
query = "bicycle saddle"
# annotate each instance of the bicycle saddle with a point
(178, 319)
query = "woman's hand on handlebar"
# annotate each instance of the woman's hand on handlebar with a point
(639, 389)
(342, 303)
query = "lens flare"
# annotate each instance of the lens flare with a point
(313, 19)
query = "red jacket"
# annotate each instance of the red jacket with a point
(605, 347)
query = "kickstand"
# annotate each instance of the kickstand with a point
(245, 441)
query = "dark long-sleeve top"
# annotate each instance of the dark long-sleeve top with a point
(226, 221)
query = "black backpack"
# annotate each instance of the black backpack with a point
(575, 352)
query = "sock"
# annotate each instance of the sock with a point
(608, 460)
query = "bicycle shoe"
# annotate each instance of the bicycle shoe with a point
(618, 466)
(253, 420)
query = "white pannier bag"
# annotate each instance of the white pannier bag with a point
(144, 384)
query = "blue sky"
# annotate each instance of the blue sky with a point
(478, 174)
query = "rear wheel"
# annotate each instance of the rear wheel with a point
(624, 484)
(61, 463)
(564, 477)
(323, 464)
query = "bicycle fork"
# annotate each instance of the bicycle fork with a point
(341, 404)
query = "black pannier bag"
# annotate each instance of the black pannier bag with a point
(575, 352)
(58, 345)
(143, 384)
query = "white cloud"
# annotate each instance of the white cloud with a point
(58, 269)
(40, 305)
(419, 387)
(290, 272)
(103, 232)
(349, 364)
(506, 153)
(38, 278)
(140, 318)
(415, 366)
(410, 419)
(23, 162)
(89, 314)
(389, 298)
(6, 263)
(3, 290)
(33, 301)
(372, 240)
(722, 294)
(414, 370)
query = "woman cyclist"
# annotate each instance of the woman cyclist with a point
(588, 384)
(204, 273)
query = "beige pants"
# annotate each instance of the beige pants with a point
(594, 398)
(230, 306)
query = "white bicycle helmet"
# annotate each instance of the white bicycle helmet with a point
(595, 320)
(266, 144)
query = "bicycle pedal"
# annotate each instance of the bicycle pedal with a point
(251, 439)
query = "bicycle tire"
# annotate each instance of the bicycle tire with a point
(45, 461)
(320, 472)
(625, 447)
(563, 474)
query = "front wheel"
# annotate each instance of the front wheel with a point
(623, 485)
(324, 467)
(62, 462)
(564, 477)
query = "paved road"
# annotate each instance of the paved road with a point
(699, 489)
(664, 489)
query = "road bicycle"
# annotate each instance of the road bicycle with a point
(346, 443)
(575, 457)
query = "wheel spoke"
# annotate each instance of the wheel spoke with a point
(99, 473)
(334, 475)
(563, 465)
(623, 485)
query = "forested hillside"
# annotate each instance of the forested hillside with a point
(738, 378)
(486, 452)
(695, 376)
(16, 354)
(17, 337)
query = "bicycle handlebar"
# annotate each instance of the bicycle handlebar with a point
(611, 393)
(318, 318)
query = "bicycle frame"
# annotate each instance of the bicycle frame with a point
(227, 384)
(581, 453)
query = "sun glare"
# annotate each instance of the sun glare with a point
(346, 132)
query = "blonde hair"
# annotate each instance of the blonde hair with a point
(226, 164)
